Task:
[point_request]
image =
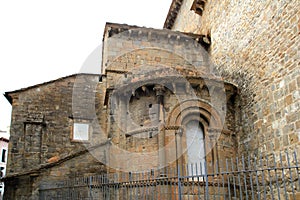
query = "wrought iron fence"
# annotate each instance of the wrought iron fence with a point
(273, 176)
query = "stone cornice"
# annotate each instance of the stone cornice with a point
(172, 14)
(142, 130)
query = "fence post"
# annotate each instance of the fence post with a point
(206, 181)
(90, 187)
(251, 178)
(290, 172)
(179, 183)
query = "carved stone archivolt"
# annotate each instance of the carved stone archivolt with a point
(202, 108)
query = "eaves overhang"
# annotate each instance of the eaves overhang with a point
(172, 14)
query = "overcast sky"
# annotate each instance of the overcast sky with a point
(43, 40)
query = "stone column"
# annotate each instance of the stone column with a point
(123, 114)
(178, 139)
(159, 91)
(213, 140)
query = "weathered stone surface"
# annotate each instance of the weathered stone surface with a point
(255, 44)
(154, 82)
(151, 77)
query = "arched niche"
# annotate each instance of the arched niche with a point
(207, 118)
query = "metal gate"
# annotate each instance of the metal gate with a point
(252, 177)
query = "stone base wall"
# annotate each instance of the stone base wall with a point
(28, 186)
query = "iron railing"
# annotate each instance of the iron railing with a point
(273, 176)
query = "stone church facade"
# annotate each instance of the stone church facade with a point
(227, 71)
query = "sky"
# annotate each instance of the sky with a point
(42, 40)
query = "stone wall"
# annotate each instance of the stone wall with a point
(124, 44)
(154, 83)
(137, 62)
(42, 120)
(42, 148)
(28, 186)
(255, 44)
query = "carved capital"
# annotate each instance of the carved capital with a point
(179, 131)
(159, 89)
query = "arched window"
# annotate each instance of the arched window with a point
(195, 148)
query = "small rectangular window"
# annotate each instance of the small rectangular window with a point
(81, 131)
(3, 159)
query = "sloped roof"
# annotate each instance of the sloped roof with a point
(172, 14)
(9, 97)
(4, 139)
(57, 162)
